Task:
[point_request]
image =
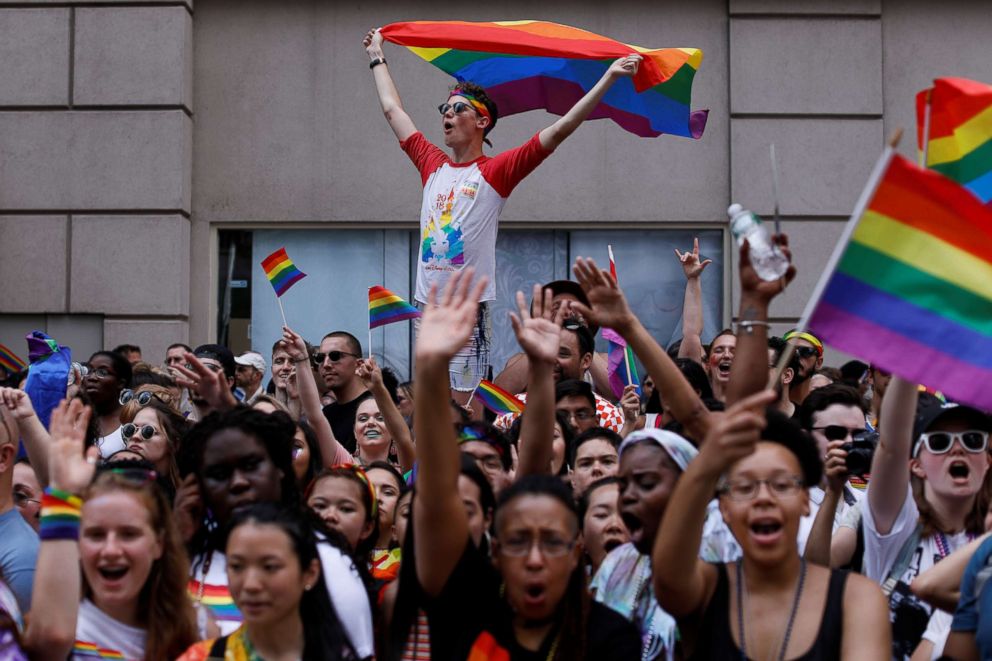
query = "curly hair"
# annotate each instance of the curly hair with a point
(482, 97)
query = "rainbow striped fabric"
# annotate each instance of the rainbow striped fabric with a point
(83, 649)
(912, 291)
(9, 360)
(218, 599)
(497, 400)
(960, 132)
(385, 307)
(527, 65)
(281, 271)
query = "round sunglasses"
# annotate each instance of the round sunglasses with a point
(130, 429)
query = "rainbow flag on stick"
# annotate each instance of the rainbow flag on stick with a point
(281, 271)
(385, 307)
(528, 65)
(620, 366)
(498, 400)
(9, 360)
(909, 287)
(954, 132)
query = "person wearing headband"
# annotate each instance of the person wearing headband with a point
(809, 348)
(464, 191)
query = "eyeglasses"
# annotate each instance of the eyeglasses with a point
(99, 372)
(142, 397)
(780, 486)
(551, 546)
(840, 432)
(581, 415)
(21, 499)
(458, 106)
(940, 442)
(130, 429)
(335, 356)
(807, 352)
(491, 462)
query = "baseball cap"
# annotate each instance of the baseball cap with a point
(679, 449)
(251, 359)
(930, 410)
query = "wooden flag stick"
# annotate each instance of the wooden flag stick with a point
(282, 311)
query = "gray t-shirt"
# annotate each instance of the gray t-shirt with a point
(18, 555)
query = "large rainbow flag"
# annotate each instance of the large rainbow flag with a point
(912, 289)
(959, 135)
(527, 65)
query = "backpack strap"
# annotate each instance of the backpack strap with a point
(901, 564)
(218, 650)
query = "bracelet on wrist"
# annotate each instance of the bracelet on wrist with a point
(60, 513)
(749, 324)
(376, 62)
(302, 360)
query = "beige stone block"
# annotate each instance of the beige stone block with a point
(153, 336)
(130, 265)
(118, 160)
(805, 66)
(34, 52)
(133, 56)
(823, 164)
(832, 7)
(33, 266)
(186, 3)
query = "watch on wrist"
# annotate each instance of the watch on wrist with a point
(376, 62)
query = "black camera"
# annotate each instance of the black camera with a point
(860, 453)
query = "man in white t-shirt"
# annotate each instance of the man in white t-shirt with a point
(464, 192)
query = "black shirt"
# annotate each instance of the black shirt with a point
(342, 420)
(470, 614)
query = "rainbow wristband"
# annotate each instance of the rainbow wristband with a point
(59, 515)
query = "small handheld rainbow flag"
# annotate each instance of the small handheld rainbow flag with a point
(497, 400)
(385, 307)
(9, 360)
(620, 366)
(281, 271)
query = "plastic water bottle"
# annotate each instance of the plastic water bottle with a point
(766, 258)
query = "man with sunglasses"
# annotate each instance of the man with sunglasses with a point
(464, 193)
(809, 348)
(337, 359)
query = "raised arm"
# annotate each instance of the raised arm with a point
(890, 466)
(540, 337)
(692, 305)
(820, 536)
(439, 518)
(610, 309)
(683, 582)
(555, 134)
(211, 386)
(749, 372)
(389, 98)
(55, 603)
(331, 451)
(32, 432)
(370, 374)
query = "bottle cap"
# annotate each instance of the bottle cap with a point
(734, 209)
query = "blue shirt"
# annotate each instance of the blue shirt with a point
(974, 612)
(18, 555)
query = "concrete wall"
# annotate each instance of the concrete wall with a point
(109, 166)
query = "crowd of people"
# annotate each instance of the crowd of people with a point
(307, 504)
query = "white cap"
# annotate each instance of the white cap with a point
(252, 359)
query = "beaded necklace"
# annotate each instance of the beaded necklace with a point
(792, 615)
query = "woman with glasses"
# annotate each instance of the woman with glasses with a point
(530, 600)
(108, 375)
(153, 429)
(240, 458)
(922, 510)
(117, 529)
(770, 604)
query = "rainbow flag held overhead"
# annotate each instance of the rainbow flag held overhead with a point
(497, 400)
(9, 360)
(385, 307)
(529, 65)
(281, 271)
(959, 133)
(912, 290)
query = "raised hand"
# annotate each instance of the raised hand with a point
(211, 386)
(17, 402)
(626, 67)
(630, 402)
(370, 373)
(372, 41)
(608, 306)
(835, 466)
(539, 335)
(752, 285)
(70, 468)
(447, 323)
(736, 433)
(691, 265)
(187, 510)
(294, 344)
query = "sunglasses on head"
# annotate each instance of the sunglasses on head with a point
(134, 474)
(335, 356)
(130, 429)
(458, 106)
(840, 432)
(940, 442)
(142, 397)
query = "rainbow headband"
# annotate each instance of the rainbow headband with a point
(479, 106)
(803, 335)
